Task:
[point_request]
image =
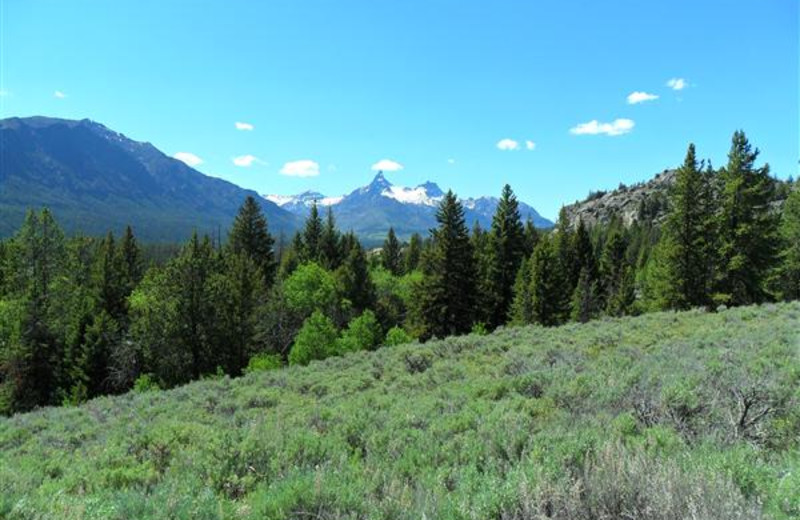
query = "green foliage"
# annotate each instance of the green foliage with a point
(447, 292)
(549, 293)
(315, 340)
(788, 275)
(391, 254)
(397, 336)
(413, 253)
(686, 248)
(363, 333)
(263, 363)
(747, 227)
(311, 288)
(508, 244)
(630, 418)
(249, 236)
(145, 383)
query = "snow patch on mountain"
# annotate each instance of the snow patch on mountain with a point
(418, 195)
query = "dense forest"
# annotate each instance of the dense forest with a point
(85, 316)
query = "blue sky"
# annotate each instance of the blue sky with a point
(437, 86)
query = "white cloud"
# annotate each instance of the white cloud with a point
(617, 127)
(246, 161)
(301, 168)
(244, 126)
(387, 165)
(507, 144)
(677, 83)
(188, 158)
(530, 145)
(640, 97)
(58, 94)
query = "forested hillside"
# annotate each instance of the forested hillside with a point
(96, 180)
(83, 317)
(660, 417)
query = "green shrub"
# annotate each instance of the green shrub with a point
(316, 340)
(397, 336)
(145, 383)
(363, 333)
(263, 362)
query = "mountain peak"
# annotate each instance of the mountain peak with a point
(380, 180)
(432, 189)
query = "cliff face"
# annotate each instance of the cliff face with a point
(642, 201)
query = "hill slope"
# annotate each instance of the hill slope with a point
(95, 179)
(662, 416)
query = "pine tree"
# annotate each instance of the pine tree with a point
(35, 367)
(413, 253)
(748, 229)
(357, 286)
(330, 243)
(110, 280)
(131, 258)
(447, 296)
(522, 307)
(391, 254)
(616, 273)
(507, 243)
(686, 238)
(549, 300)
(250, 235)
(789, 271)
(585, 299)
(565, 249)
(531, 237)
(312, 237)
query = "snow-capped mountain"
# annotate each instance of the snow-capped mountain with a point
(372, 209)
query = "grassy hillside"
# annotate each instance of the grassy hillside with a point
(663, 416)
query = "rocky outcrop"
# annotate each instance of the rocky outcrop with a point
(642, 201)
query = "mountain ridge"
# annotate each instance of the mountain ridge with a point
(406, 209)
(95, 179)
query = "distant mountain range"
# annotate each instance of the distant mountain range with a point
(372, 209)
(95, 179)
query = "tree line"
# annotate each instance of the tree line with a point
(82, 317)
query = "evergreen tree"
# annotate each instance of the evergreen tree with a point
(508, 249)
(110, 281)
(617, 279)
(531, 237)
(250, 236)
(391, 254)
(330, 243)
(36, 365)
(522, 307)
(131, 258)
(413, 253)
(357, 285)
(583, 257)
(549, 300)
(748, 229)
(565, 250)
(585, 299)
(484, 280)
(447, 296)
(237, 292)
(789, 271)
(312, 237)
(686, 239)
